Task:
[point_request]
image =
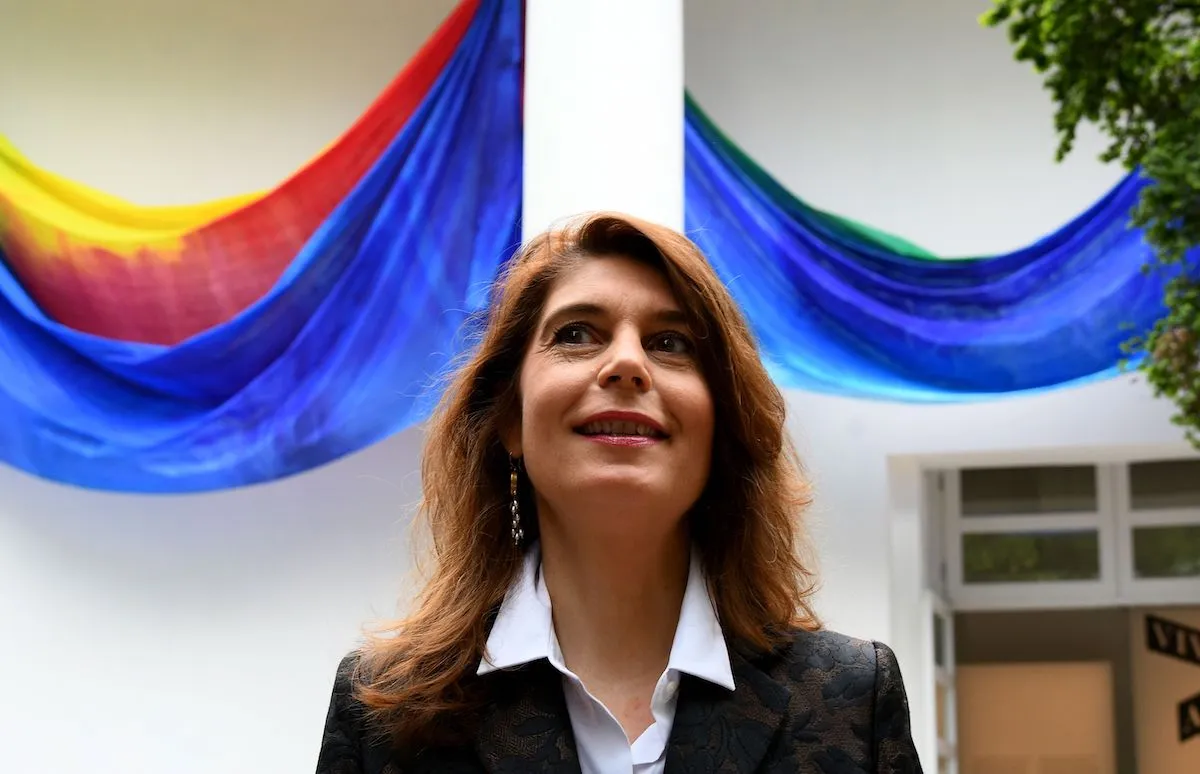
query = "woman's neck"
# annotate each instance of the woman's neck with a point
(616, 603)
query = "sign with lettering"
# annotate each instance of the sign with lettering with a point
(1173, 639)
(1189, 718)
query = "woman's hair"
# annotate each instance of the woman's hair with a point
(418, 682)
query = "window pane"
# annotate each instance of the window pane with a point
(1028, 557)
(939, 640)
(1166, 552)
(1164, 484)
(1000, 491)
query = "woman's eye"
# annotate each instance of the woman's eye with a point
(573, 333)
(673, 343)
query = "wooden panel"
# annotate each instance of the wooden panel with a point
(1036, 719)
(1165, 675)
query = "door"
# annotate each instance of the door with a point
(939, 748)
(1038, 718)
(944, 694)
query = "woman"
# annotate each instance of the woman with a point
(618, 586)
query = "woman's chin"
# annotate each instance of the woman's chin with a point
(634, 492)
(627, 480)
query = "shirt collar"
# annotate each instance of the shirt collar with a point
(524, 629)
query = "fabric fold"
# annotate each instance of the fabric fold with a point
(163, 274)
(842, 308)
(344, 348)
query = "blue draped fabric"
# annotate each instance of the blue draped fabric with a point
(346, 349)
(341, 353)
(838, 309)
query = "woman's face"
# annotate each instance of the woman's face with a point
(616, 422)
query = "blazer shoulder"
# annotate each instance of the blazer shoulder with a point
(342, 739)
(343, 699)
(864, 670)
(347, 666)
(826, 649)
(858, 684)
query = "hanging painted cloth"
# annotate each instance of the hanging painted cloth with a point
(844, 309)
(343, 344)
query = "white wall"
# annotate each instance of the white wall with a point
(582, 49)
(193, 635)
(198, 634)
(170, 101)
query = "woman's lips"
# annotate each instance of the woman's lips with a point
(634, 441)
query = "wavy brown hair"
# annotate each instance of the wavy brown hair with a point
(417, 683)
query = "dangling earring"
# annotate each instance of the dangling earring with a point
(514, 505)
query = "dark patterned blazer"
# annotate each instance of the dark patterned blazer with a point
(825, 703)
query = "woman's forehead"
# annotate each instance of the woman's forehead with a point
(610, 284)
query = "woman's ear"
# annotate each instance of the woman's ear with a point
(510, 431)
(510, 436)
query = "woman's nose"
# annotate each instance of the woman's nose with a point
(626, 365)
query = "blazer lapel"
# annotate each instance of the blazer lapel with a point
(527, 727)
(716, 730)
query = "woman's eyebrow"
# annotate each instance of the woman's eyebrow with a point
(577, 309)
(590, 309)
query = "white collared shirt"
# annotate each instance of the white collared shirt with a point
(524, 632)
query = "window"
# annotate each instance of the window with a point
(1164, 484)
(945, 703)
(1031, 557)
(1159, 510)
(1166, 552)
(1032, 536)
(1007, 491)
(939, 639)
(1071, 535)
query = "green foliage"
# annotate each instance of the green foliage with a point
(1166, 552)
(1132, 68)
(993, 557)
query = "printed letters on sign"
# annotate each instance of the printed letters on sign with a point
(1189, 718)
(1173, 639)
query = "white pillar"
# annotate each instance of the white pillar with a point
(603, 110)
(911, 635)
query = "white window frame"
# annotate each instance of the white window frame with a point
(940, 745)
(936, 578)
(1033, 594)
(944, 678)
(1149, 591)
(1114, 520)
